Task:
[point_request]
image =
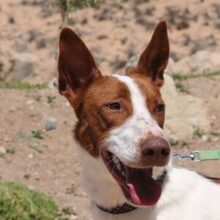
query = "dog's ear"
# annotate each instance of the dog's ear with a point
(154, 59)
(76, 65)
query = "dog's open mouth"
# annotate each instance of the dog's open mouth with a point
(137, 184)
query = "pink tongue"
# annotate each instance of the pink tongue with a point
(143, 189)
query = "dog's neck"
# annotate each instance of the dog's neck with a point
(98, 184)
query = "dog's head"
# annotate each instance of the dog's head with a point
(120, 117)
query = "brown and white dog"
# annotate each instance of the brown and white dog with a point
(125, 156)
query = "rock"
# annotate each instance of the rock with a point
(205, 61)
(73, 217)
(35, 145)
(41, 43)
(204, 44)
(29, 102)
(184, 113)
(33, 35)
(20, 46)
(205, 138)
(53, 83)
(23, 65)
(50, 124)
(180, 67)
(199, 63)
(2, 151)
(32, 2)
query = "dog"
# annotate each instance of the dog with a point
(125, 157)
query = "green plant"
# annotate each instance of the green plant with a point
(65, 213)
(67, 6)
(72, 5)
(18, 202)
(37, 134)
(10, 150)
(180, 77)
(217, 134)
(79, 4)
(198, 132)
(1, 66)
(27, 176)
(173, 142)
(50, 99)
(16, 84)
(181, 88)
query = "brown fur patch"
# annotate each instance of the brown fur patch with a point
(95, 118)
(154, 59)
(76, 66)
(152, 94)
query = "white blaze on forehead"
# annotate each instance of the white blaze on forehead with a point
(137, 98)
(125, 140)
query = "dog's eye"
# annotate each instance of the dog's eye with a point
(114, 106)
(159, 108)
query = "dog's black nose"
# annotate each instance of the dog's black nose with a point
(155, 151)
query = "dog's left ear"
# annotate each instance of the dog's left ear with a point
(154, 59)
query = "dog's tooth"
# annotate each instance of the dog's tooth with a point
(118, 165)
(115, 160)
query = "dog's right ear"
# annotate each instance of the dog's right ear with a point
(154, 59)
(76, 66)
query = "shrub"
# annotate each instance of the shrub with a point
(18, 202)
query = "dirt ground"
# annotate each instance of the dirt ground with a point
(114, 32)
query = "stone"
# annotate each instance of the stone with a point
(23, 65)
(205, 61)
(2, 151)
(50, 124)
(180, 67)
(36, 146)
(32, 2)
(199, 63)
(184, 113)
(208, 42)
(20, 46)
(53, 83)
(73, 217)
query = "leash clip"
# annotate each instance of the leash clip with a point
(190, 156)
(197, 156)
